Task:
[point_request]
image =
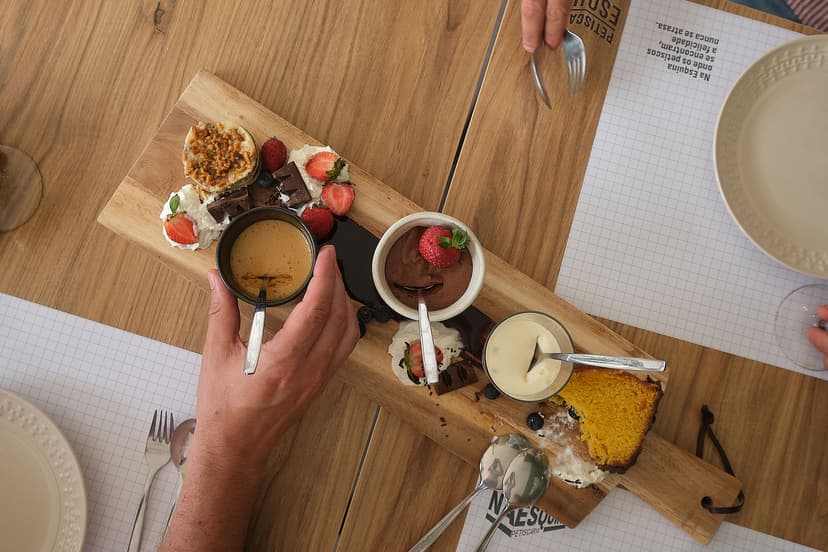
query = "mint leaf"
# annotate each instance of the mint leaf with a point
(175, 201)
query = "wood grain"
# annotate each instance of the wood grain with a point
(419, 487)
(322, 452)
(537, 159)
(84, 85)
(458, 421)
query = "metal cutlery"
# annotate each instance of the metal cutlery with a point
(179, 447)
(601, 361)
(525, 481)
(575, 56)
(493, 465)
(157, 454)
(427, 342)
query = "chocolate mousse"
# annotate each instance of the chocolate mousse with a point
(407, 273)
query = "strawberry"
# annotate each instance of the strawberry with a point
(441, 246)
(319, 220)
(274, 154)
(324, 166)
(338, 196)
(179, 227)
(413, 360)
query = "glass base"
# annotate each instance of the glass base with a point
(21, 187)
(796, 313)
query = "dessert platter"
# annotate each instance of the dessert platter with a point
(239, 158)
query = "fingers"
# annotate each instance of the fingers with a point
(822, 312)
(532, 18)
(223, 320)
(341, 332)
(557, 13)
(304, 325)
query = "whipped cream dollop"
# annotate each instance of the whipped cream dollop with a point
(446, 339)
(301, 157)
(206, 227)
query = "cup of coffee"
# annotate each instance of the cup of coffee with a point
(265, 257)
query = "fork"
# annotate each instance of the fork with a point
(575, 55)
(157, 454)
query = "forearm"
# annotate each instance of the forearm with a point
(215, 507)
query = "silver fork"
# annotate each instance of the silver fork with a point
(157, 454)
(575, 55)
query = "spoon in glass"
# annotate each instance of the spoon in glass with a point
(601, 361)
(493, 466)
(525, 481)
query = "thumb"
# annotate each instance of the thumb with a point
(223, 322)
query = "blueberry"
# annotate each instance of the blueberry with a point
(573, 414)
(491, 392)
(365, 314)
(265, 179)
(534, 421)
(383, 314)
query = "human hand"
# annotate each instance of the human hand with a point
(240, 415)
(819, 337)
(543, 21)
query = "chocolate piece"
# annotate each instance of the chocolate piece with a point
(292, 185)
(231, 205)
(457, 375)
(261, 197)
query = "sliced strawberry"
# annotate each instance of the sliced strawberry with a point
(413, 359)
(338, 196)
(319, 220)
(181, 229)
(441, 246)
(274, 154)
(324, 166)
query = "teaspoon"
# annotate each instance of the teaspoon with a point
(525, 481)
(493, 466)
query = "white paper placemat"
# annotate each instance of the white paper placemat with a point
(652, 244)
(100, 386)
(621, 522)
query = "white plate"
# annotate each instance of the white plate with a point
(42, 495)
(771, 154)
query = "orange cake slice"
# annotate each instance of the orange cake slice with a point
(615, 409)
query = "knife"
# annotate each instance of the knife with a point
(427, 342)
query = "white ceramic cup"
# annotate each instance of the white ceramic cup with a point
(395, 232)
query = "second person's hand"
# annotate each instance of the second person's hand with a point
(543, 21)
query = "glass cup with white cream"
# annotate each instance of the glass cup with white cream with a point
(510, 348)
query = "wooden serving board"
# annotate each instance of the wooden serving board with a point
(670, 479)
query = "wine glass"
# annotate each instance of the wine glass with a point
(795, 314)
(20, 187)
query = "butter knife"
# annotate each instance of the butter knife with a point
(427, 342)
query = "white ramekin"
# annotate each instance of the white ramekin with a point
(395, 232)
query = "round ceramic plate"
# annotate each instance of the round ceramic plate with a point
(42, 496)
(771, 154)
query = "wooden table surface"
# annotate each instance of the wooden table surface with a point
(84, 84)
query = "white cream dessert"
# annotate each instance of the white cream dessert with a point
(509, 353)
(446, 339)
(207, 229)
(301, 157)
(570, 462)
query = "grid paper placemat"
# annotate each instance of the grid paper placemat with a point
(652, 244)
(621, 522)
(100, 386)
